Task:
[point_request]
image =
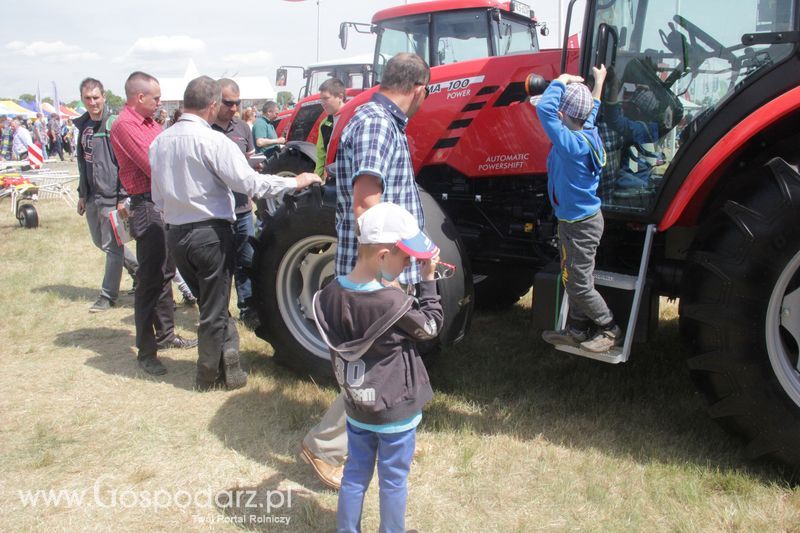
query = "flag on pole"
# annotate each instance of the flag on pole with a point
(56, 102)
(38, 98)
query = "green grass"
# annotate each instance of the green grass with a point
(518, 437)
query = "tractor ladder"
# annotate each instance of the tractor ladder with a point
(618, 281)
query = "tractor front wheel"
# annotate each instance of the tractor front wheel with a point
(294, 258)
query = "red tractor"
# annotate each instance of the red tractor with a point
(707, 209)
(300, 126)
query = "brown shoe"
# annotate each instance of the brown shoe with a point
(330, 475)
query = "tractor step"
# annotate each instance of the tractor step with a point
(615, 280)
(618, 281)
(613, 356)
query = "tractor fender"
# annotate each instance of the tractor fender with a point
(306, 148)
(695, 187)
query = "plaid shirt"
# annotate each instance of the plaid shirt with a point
(131, 137)
(374, 143)
(613, 142)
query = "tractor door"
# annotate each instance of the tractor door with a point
(671, 65)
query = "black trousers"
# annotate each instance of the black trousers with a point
(205, 255)
(154, 308)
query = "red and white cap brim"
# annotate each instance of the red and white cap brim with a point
(419, 246)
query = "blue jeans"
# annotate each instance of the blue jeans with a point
(243, 230)
(394, 452)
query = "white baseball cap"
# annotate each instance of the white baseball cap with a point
(388, 223)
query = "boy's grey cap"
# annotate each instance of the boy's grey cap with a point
(577, 101)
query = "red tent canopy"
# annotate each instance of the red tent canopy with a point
(67, 112)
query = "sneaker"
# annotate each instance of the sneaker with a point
(568, 337)
(177, 342)
(102, 304)
(152, 365)
(132, 290)
(604, 339)
(189, 300)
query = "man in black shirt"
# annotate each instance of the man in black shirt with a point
(99, 190)
(239, 132)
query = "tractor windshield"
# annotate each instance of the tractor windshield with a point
(449, 37)
(407, 34)
(673, 64)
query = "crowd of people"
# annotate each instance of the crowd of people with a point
(53, 135)
(186, 186)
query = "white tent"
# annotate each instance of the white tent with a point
(251, 87)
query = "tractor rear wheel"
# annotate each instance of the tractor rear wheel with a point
(740, 311)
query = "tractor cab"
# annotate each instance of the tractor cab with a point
(672, 68)
(354, 72)
(443, 33)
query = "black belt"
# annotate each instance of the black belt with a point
(139, 198)
(213, 223)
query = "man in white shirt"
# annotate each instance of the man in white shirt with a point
(22, 140)
(194, 173)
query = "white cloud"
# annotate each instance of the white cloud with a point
(259, 57)
(51, 51)
(161, 46)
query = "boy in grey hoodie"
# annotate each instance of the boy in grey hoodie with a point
(371, 328)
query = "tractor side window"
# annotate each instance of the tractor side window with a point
(355, 80)
(408, 34)
(513, 37)
(460, 36)
(674, 64)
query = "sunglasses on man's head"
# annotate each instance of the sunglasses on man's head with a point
(231, 103)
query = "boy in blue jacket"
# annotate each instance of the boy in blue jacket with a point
(567, 111)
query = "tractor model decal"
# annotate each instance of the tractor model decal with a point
(456, 88)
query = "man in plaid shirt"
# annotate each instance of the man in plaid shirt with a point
(373, 165)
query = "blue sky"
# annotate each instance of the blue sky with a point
(67, 41)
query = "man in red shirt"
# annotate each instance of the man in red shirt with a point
(131, 136)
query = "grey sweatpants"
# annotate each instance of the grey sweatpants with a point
(578, 243)
(97, 211)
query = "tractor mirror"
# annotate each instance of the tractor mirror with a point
(280, 77)
(544, 30)
(343, 35)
